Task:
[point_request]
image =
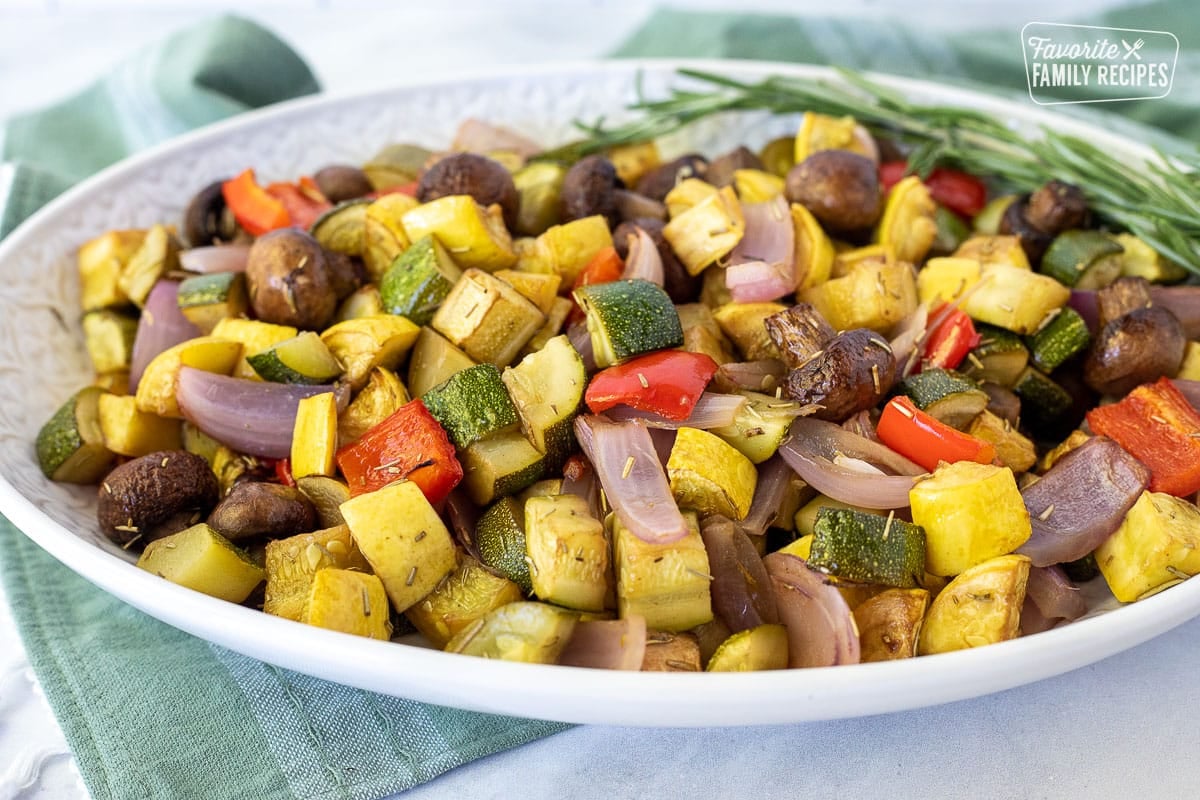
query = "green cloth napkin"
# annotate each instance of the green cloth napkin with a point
(149, 711)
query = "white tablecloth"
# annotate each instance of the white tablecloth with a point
(1125, 727)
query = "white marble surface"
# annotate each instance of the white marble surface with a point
(1124, 727)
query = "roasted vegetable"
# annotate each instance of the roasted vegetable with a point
(201, 559)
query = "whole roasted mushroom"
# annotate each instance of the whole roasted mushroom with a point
(1037, 218)
(853, 372)
(1140, 346)
(589, 188)
(658, 182)
(254, 509)
(207, 220)
(721, 169)
(154, 496)
(839, 187)
(288, 280)
(341, 182)
(468, 173)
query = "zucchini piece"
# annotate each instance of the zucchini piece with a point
(343, 228)
(350, 602)
(466, 595)
(671, 652)
(529, 632)
(889, 624)
(363, 302)
(951, 231)
(1044, 404)
(564, 250)
(1060, 339)
(303, 359)
(100, 261)
(130, 432)
(707, 231)
(326, 495)
(433, 360)
(363, 344)
(971, 513)
(109, 338)
(547, 487)
(806, 518)
(981, 606)
(379, 399)
(779, 155)
(157, 255)
(759, 648)
(292, 563)
(627, 318)
(384, 237)
(987, 221)
(710, 475)
(500, 539)
(475, 236)
(198, 442)
(907, 224)
(487, 318)
(873, 295)
(314, 437)
(539, 288)
(760, 426)
(946, 395)
(859, 546)
(668, 584)
(745, 325)
(70, 446)
(538, 188)
(156, 390)
(207, 299)
(202, 559)
(1083, 259)
(396, 165)
(1000, 356)
(472, 404)
(568, 552)
(500, 465)
(547, 389)
(254, 336)
(1013, 449)
(415, 285)
(1157, 546)
(404, 540)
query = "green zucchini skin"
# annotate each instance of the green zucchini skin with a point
(999, 357)
(627, 318)
(417, 282)
(860, 546)
(1060, 340)
(471, 404)
(950, 397)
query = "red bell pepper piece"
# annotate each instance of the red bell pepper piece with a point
(304, 204)
(667, 383)
(1158, 426)
(283, 472)
(927, 440)
(408, 444)
(962, 193)
(605, 267)
(255, 210)
(948, 343)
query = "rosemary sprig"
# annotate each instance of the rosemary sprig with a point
(1159, 203)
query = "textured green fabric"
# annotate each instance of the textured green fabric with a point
(149, 711)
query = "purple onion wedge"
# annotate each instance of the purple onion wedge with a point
(821, 630)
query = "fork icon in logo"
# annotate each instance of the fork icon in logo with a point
(1132, 49)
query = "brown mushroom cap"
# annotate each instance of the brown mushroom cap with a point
(721, 169)
(1140, 346)
(287, 276)
(852, 373)
(207, 220)
(839, 187)
(589, 188)
(1057, 207)
(262, 509)
(658, 182)
(155, 495)
(468, 173)
(341, 182)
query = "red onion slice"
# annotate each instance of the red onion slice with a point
(581, 340)
(1081, 500)
(1190, 391)
(631, 205)
(712, 410)
(477, 136)
(829, 440)
(253, 417)
(1183, 302)
(607, 644)
(821, 629)
(463, 516)
(910, 331)
(774, 475)
(632, 477)
(763, 264)
(741, 589)
(644, 260)
(1085, 303)
(811, 448)
(161, 327)
(1055, 596)
(217, 258)
(757, 376)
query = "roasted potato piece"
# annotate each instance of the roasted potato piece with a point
(889, 624)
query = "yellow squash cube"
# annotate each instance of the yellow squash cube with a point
(475, 236)
(292, 563)
(202, 559)
(708, 231)
(360, 345)
(315, 436)
(566, 249)
(156, 390)
(350, 602)
(981, 606)
(710, 475)
(668, 584)
(130, 432)
(1157, 545)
